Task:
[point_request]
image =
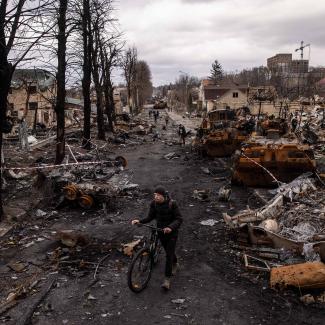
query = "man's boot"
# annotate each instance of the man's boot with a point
(166, 284)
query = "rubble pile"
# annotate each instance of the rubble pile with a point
(304, 219)
(287, 235)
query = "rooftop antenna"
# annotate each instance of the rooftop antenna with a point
(301, 49)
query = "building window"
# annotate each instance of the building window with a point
(235, 95)
(32, 89)
(33, 106)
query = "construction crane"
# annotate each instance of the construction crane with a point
(301, 49)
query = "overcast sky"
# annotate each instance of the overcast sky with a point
(188, 35)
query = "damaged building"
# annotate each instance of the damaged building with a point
(32, 96)
(222, 95)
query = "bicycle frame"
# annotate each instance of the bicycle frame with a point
(153, 242)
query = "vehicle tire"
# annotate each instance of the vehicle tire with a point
(140, 267)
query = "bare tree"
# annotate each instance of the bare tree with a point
(96, 76)
(142, 82)
(103, 59)
(110, 53)
(60, 77)
(257, 76)
(21, 28)
(129, 70)
(86, 80)
(183, 86)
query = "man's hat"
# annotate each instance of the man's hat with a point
(160, 190)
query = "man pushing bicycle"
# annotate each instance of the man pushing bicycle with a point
(165, 211)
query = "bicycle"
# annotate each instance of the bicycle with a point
(140, 269)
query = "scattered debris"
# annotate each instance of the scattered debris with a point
(202, 195)
(209, 222)
(307, 299)
(172, 155)
(224, 193)
(205, 170)
(17, 266)
(178, 301)
(129, 248)
(39, 213)
(259, 264)
(72, 238)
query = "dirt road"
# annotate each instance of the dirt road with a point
(212, 281)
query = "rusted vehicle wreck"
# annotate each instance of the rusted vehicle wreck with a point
(221, 133)
(264, 162)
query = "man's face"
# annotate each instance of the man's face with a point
(158, 198)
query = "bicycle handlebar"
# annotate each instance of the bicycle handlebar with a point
(148, 226)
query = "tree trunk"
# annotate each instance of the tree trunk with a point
(61, 92)
(5, 80)
(100, 114)
(110, 106)
(98, 88)
(35, 120)
(27, 98)
(86, 81)
(129, 99)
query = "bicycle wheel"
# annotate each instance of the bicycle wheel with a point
(139, 272)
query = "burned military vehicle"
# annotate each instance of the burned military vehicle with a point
(221, 133)
(267, 162)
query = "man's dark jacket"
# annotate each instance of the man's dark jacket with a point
(166, 214)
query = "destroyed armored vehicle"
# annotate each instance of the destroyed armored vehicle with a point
(221, 134)
(160, 105)
(267, 163)
(274, 126)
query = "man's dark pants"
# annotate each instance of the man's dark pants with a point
(168, 241)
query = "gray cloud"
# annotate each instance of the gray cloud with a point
(188, 35)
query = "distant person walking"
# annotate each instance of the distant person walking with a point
(182, 134)
(166, 120)
(294, 123)
(23, 135)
